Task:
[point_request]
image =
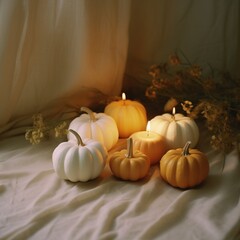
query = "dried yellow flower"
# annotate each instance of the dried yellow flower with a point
(35, 136)
(195, 71)
(61, 130)
(187, 106)
(210, 93)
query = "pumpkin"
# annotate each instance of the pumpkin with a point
(96, 126)
(177, 129)
(130, 116)
(151, 144)
(129, 165)
(184, 167)
(78, 161)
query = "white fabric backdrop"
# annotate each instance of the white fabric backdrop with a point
(52, 49)
(207, 32)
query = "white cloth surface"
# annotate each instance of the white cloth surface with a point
(36, 204)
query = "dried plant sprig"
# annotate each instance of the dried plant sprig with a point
(187, 106)
(42, 130)
(202, 92)
(61, 129)
(39, 131)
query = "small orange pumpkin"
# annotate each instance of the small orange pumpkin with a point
(129, 165)
(184, 167)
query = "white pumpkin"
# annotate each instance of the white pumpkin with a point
(78, 161)
(177, 129)
(97, 126)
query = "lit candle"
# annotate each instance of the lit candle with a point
(173, 112)
(148, 128)
(123, 96)
(150, 143)
(176, 128)
(130, 116)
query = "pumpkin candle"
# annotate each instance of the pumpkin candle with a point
(130, 116)
(150, 143)
(176, 128)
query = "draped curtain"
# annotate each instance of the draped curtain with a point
(206, 32)
(55, 49)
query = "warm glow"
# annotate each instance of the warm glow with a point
(148, 126)
(123, 96)
(174, 111)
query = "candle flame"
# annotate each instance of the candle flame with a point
(148, 126)
(174, 111)
(123, 96)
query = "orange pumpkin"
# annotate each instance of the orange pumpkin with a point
(130, 116)
(184, 167)
(129, 165)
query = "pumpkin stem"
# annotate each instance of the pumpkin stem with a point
(79, 139)
(89, 112)
(129, 148)
(185, 151)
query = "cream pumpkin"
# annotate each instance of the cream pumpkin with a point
(177, 129)
(79, 161)
(184, 167)
(96, 126)
(130, 116)
(128, 164)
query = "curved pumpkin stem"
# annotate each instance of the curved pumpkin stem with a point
(129, 148)
(185, 151)
(89, 112)
(79, 139)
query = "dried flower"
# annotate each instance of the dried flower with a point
(38, 132)
(187, 106)
(42, 130)
(174, 59)
(61, 130)
(210, 94)
(195, 71)
(151, 92)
